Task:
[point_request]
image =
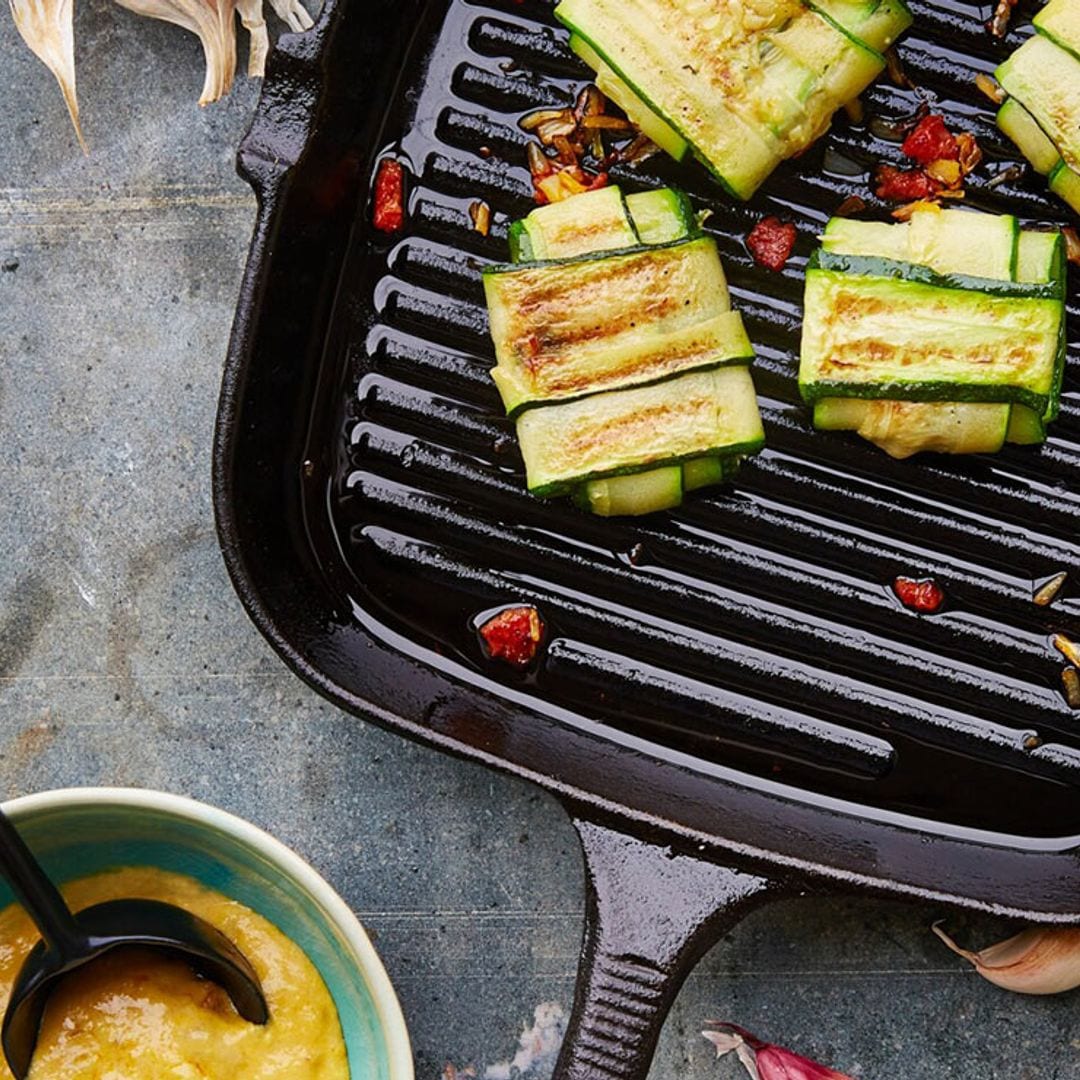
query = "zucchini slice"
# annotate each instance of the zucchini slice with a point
(1065, 183)
(659, 54)
(1045, 79)
(875, 24)
(964, 242)
(903, 428)
(567, 328)
(590, 222)
(1026, 427)
(1060, 22)
(842, 67)
(662, 216)
(704, 413)
(887, 337)
(637, 493)
(1020, 126)
(947, 242)
(742, 89)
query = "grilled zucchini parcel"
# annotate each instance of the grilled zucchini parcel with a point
(943, 333)
(740, 84)
(1042, 113)
(618, 352)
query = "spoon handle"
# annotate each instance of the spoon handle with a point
(36, 892)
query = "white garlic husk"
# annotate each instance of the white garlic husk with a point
(1041, 960)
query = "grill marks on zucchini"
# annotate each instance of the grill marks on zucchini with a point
(743, 83)
(1042, 113)
(626, 369)
(956, 353)
(562, 329)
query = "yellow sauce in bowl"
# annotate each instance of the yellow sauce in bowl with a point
(140, 1015)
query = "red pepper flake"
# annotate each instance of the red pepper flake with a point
(771, 242)
(389, 212)
(514, 635)
(931, 140)
(924, 595)
(904, 185)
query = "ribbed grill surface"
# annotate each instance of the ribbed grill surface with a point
(755, 626)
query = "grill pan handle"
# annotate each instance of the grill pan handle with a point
(651, 914)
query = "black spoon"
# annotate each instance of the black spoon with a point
(70, 941)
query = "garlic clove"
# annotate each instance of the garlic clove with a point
(294, 13)
(251, 18)
(213, 22)
(47, 26)
(765, 1061)
(1041, 960)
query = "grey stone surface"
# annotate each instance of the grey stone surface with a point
(126, 659)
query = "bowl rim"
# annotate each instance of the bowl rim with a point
(384, 997)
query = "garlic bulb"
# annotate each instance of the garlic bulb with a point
(47, 27)
(1042, 960)
(213, 21)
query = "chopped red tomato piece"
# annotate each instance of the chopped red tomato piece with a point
(771, 242)
(389, 212)
(905, 185)
(925, 595)
(930, 141)
(514, 635)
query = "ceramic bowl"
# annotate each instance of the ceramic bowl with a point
(80, 831)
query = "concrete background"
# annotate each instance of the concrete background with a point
(125, 658)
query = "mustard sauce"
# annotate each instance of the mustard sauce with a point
(141, 1015)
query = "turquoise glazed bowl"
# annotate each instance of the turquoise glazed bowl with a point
(80, 831)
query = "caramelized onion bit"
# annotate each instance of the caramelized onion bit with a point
(1070, 683)
(999, 21)
(989, 86)
(1067, 647)
(480, 215)
(1072, 244)
(1047, 594)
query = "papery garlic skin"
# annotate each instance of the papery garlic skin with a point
(213, 22)
(47, 26)
(1042, 960)
(764, 1061)
(251, 18)
(293, 13)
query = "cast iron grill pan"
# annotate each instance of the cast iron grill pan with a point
(737, 673)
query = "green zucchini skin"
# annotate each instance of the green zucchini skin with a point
(520, 245)
(875, 24)
(873, 266)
